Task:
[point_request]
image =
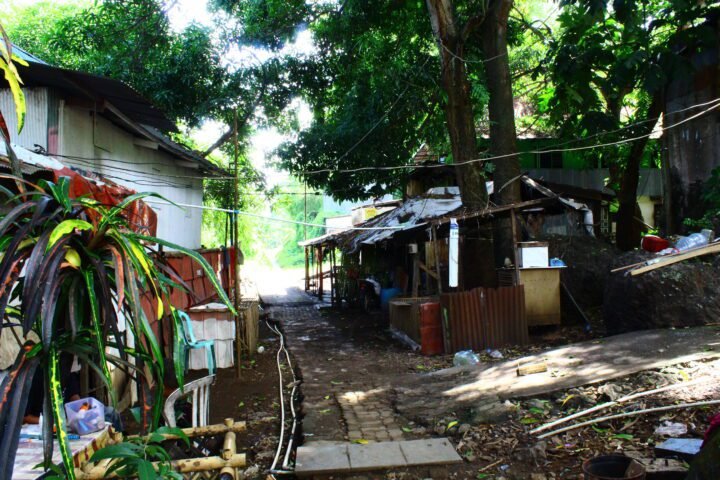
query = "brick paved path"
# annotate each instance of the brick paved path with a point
(346, 386)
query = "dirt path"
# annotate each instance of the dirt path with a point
(348, 366)
(360, 384)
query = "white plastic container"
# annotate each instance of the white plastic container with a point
(85, 416)
(534, 254)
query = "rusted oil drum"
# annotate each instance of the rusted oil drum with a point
(431, 336)
(613, 467)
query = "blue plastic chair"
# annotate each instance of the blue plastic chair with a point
(191, 342)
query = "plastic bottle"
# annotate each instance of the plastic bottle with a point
(691, 241)
(466, 357)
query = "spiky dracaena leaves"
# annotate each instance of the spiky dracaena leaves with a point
(73, 266)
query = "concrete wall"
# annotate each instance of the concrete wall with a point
(651, 181)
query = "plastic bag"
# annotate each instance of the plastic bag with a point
(466, 357)
(671, 429)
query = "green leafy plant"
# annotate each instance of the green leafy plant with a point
(143, 458)
(69, 269)
(7, 65)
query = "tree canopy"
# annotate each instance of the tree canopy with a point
(384, 77)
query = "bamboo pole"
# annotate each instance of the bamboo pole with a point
(229, 450)
(436, 254)
(208, 430)
(630, 414)
(626, 398)
(236, 297)
(229, 445)
(187, 465)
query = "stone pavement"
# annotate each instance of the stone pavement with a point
(347, 394)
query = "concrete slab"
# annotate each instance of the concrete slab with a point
(431, 451)
(314, 459)
(344, 458)
(376, 456)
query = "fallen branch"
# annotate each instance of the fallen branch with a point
(630, 414)
(488, 467)
(626, 398)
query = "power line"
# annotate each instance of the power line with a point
(153, 180)
(266, 217)
(635, 124)
(497, 157)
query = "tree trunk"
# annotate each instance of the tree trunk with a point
(458, 109)
(502, 118)
(629, 229)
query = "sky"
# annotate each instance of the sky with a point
(264, 141)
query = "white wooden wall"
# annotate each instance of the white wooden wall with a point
(102, 146)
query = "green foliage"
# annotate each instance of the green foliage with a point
(12, 77)
(72, 266)
(130, 41)
(606, 62)
(293, 207)
(134, 457)
(375, 71)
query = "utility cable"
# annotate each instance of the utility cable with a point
(265, 217)
(286, 469)
(550, 149)
(507, 155)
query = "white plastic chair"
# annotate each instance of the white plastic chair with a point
(200, 391)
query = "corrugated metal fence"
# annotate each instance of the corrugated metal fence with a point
(485, 318)
(221, 260)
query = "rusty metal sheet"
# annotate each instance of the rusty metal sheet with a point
(486, 318)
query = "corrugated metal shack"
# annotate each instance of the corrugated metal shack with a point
(405, 253)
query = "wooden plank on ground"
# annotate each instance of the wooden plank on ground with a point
(531, 368)
(714, 248)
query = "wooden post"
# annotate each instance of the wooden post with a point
(320, 272)
(333, 291)
(514, 246)
(436, 253)
(307, 269)
(239, 332)
(416, 276)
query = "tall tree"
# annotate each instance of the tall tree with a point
(374, 91)
(451, 36)
(610, 67)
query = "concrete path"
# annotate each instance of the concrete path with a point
(347, 389)
(570, 366)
